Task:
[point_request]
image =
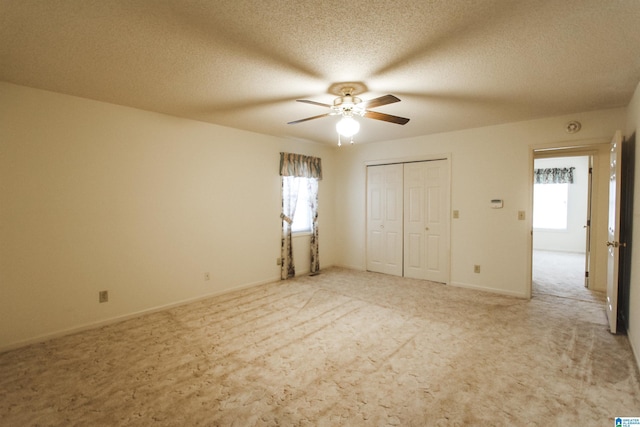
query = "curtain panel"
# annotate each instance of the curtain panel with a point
(293, 168)
(313, 204)
(290, 187)
(299, 165)
(553, 176)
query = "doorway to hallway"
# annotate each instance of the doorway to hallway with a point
(562, 228)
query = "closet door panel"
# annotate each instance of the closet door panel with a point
(414, 253)
(426, 220)
(433, 249)
(385, 219)
(414, 220)
(437, 220)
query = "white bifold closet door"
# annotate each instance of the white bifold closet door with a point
(408, 220)
(426, 221)
(384, 219)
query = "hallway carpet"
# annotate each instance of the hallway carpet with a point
(562, 274)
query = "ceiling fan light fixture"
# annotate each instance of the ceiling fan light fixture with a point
(348, 126)
(348, 106)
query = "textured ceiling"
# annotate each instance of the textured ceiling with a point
(455, 64)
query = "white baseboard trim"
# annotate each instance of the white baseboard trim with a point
(491, 290)
(104, 322)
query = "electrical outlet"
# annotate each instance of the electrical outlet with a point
(207, 276)
(476, 268)
(456, 214)
(103, 296)
(278, 261)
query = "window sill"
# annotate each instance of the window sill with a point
(300, 234)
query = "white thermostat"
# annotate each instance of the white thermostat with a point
(496, 203)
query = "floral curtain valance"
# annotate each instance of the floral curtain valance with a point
(299, 165)
(553, 176)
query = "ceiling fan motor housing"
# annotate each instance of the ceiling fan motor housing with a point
(347, 105)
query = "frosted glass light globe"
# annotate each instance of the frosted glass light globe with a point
(348, 126)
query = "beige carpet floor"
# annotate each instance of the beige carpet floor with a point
(562, 274)
(341, 348)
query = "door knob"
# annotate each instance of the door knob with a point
(614, 244)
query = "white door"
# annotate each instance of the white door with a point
(426, 219)
(587, 227)
(613, 238)
(384, 219)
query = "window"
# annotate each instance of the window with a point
(550, 206)
(302, 217)
(300, 175)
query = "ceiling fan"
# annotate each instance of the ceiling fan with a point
(348, 106)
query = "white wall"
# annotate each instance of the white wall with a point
(487, 163)
(573, 238)
(95, 196)
(633, 124)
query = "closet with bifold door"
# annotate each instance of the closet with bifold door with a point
(408, 223)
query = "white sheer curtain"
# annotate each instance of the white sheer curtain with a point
(290, 186)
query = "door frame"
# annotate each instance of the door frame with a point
(410, 159)
(589, 147)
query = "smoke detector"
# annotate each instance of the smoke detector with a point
(573, 127)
